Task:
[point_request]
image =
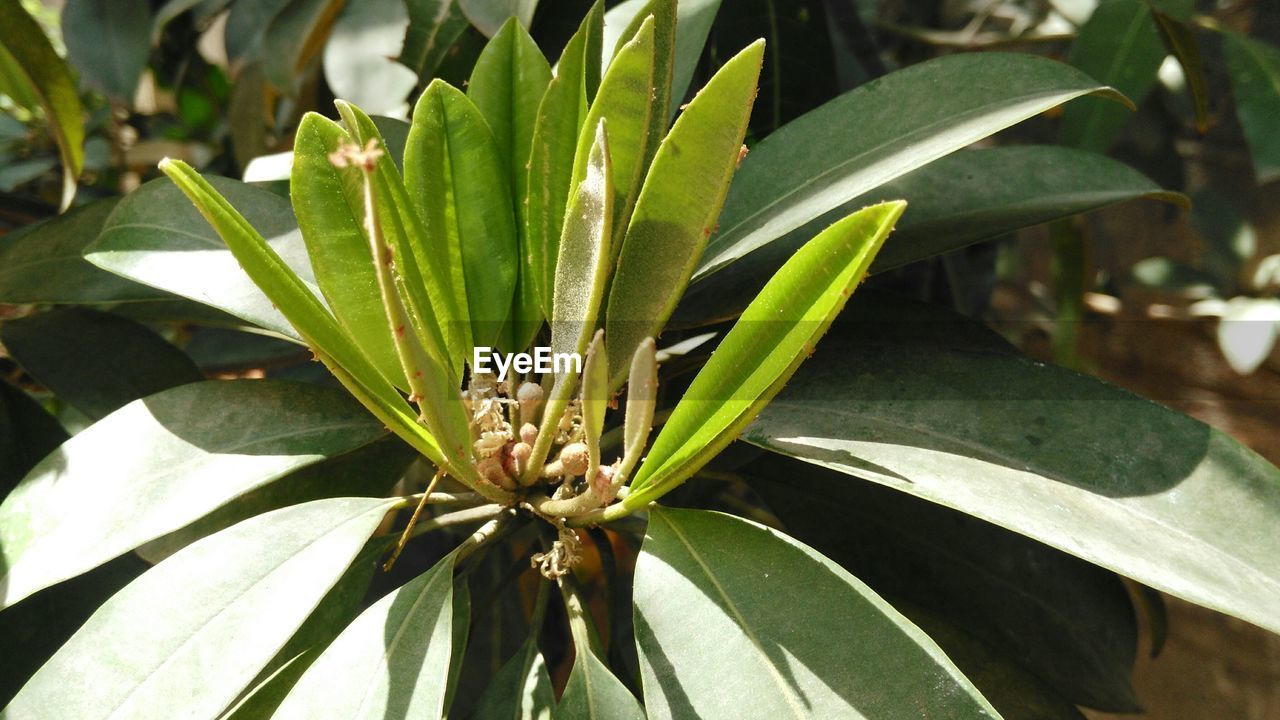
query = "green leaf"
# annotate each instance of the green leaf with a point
(560, 119)
(29, 433)
(1255, 83)
(832, 649)
(329, 205)
(593, 693)
(434, 26)
(489, 15)
(160, 463)
(94, 360)
(507, 85)
(521, 690)
(392, 662)
(157, 238)
(168, 12)
(1119, 46)
(51, 81)
(371, 470)
(582, 269)
(458, 181)
(625, 101)
(243, 593)
(247, 24)
(693, 21)
(108, 42)
(678, 206)
(42, 263)
(664, 47)
(960, 199)
(773, 336)
(295, 37)
(358, 63)
(1062, 458)
(878, 132)
(1069, 622)
(1180, 40)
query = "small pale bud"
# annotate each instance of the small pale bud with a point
(529, 433)
(517, 458)
(575, 458)
(529, 397)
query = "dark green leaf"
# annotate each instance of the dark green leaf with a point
(94, 360)
(247, 24)
(27, 434)
(878, 132)
(108, 41)
(489, 15)
(1255, 82)
(50, 80)
(1119, 46)
(392, 662)
(794, 635)
(521, 690)
(243, 593)
(295, 37)
(434, 25)
(1069, 622)
(954, 201)
(1180, 40)
(160, 463)
(1062, 458)
(42, 263)
(593, 693)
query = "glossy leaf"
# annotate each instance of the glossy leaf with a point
(773, 336)
(1119, 46)
(434, 26)
(694, 19)
(834, 649)
(50, 80)
(1069, 622)
(392, 662)
(94, 360)
(108, 42)
(521, 690)
(957, 200)
(1062, 458)
(507, 85)
(358, 56)
(458, 184)
(244, 592)
(664, 14)
(625, 101)
(157, 238)
(560, 119)
(160, 463)
(593, 693)
(329, 205)
(815, 163)
(489, 15)
(42, 263)
(1255, 83)
(295, 37)
(678, 206)
(1180, 40)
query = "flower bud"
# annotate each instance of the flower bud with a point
(575, 458)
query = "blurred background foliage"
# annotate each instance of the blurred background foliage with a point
(1182, 306)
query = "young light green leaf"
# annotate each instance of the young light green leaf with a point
(642, 400)
(625, 100)
(1044, 452)
(51, 82)
(1255, 83)
(1119, 46)
(815, 163)
(328, 204)
(244, 592)
(836, 649)
(108, 42)
(560, 119)
(95, 361)
(595, 397)
(137, 475)
(773, 336)
(678, 206)
(693, 21)
(458, 184)
(392, 662)
(664, 49)
(507, 85)
(593, 693)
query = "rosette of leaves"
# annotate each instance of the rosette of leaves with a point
(560, 207)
